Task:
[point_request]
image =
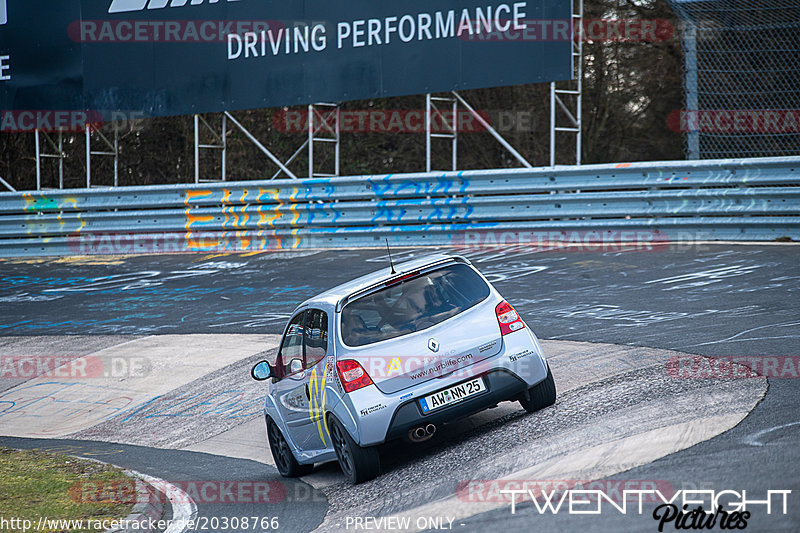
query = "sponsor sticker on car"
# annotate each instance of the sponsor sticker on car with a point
(452, 395)
(519, 355)
(373, 409)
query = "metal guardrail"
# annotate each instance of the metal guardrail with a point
(747, 199)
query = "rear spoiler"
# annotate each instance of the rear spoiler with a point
(400, 277)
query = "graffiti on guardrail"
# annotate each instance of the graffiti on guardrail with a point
(655, 203)
(228, 231)
(442, 185)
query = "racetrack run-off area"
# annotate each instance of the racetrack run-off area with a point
(144, 362)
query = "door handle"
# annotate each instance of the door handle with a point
(308, 393)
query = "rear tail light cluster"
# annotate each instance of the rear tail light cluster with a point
(352, 375)
(508, 318)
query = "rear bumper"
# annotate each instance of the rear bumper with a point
(374, 417)
(501, 385)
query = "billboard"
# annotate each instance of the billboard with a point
(172, 57)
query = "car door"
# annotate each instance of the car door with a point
(316, 351)
(290, 390)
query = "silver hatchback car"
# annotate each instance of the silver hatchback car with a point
(395, 354)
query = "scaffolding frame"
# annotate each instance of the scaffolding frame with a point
(450, 131)
(457, 100)
(111, 150)
(324, 133)
(567, 96)
(220, 145)
(7, 185)
(111, 145)
(40, 155)
(320, 130)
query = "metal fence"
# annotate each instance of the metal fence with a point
(742, 77)
(748, 199)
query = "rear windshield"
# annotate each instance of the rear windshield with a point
(412, 305)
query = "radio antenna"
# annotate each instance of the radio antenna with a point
(391, 264)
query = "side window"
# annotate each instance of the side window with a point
(316, 336)
(292, 345)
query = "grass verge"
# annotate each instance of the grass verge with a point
(36, 485)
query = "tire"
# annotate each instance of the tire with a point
(358, 464)
(285, 462)
(540, 395)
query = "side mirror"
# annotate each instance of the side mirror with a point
(295, 366)
(262, 371)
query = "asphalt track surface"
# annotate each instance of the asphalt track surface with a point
(712, 300)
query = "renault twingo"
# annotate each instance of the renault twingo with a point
(395, 354)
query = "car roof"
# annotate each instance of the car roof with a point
(336, 294)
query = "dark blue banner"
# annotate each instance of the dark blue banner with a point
(171, 57)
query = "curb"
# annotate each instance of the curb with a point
(184, 509)
(149, 507)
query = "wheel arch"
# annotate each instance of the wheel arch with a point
(345, 418)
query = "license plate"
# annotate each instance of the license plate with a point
(452, 395)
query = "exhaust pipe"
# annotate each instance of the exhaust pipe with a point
(421, 433)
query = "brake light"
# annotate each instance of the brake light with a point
(395, 281)
(508, 318)
(352, 375)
